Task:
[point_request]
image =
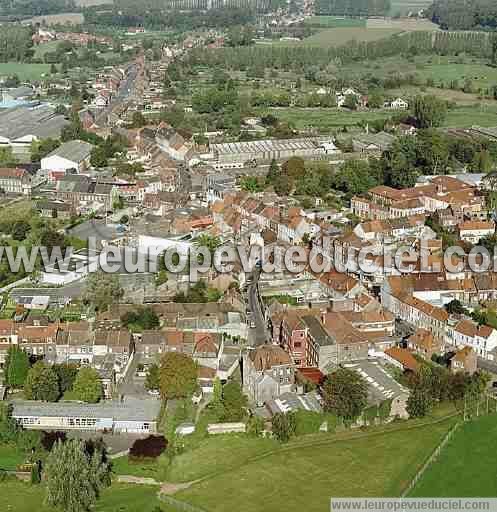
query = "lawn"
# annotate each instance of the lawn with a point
(122, 466)
(304, 477)
(24, 71)
(466, 466)
(217, 454)
(10, 457)
(16, 496)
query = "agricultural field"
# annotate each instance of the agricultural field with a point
(465, 117)
(327, 119)
(71, 18)
(404, 7)
(334, 22)
(403, 24)
(466, 466)
(17, 496)
(338, 36)
(24, 71)
(42, 49)
(379, 464)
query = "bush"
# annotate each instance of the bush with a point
(308, 422)
(150, 447)
(50, 438)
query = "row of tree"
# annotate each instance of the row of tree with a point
(41, 381)
(302, 58)
(463, 14)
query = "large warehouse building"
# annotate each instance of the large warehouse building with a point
(235, 155)
(20, 126)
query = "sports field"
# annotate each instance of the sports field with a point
(466, 466)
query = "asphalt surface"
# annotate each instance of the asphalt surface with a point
(126, 89)
(258, 335)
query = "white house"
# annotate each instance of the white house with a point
(482, 338)
(399, 104)
(473, 231)
(74, 154)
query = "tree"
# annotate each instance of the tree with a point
(138, 120)
(429, 111)
(88, 386)
(74, 479)
(102, 290)
(284, 426)
(355, 177)
(345, 393)
(141, 319)
(16, 367)
(8, 425)
(273, 172)
(152, 380)
(98, 157)
(67, 374)
(35, 474)
(376, 99)
(425, 387)
(351, 102)
(234, 402)
(208, 241)
(42, 383)
(20, 230)
(419, 403)
(454, 307)
(178, 376)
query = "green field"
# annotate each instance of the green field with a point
(338, 36)
(10, 457)
(334, 21)
(43, 48)
(466, 466)
(403, 7)
(326, 119)
(303, 476)
(24, 71)
(16, 496)
(465, 117)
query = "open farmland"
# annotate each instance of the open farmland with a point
(404, 7)
(334, 22)
(72, 18)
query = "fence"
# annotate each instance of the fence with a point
(433, 457)
(179, 505)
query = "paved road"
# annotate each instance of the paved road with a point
(126, 89)
(258, 335)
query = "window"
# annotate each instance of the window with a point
(146, 426)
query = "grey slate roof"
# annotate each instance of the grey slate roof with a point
(40, 121)
(129, 410)
(74, 150)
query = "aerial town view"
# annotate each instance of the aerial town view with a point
(248, 256)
